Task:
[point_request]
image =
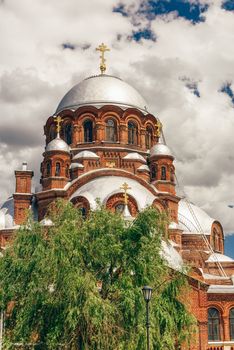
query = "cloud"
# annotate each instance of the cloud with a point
(47, 47)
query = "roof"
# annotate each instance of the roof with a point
(7, 214)
(187, 221)
(170, 254)
(221, 289)
(160, 149)
(57, 144)
(135, 156)
(219, 257)
(105, 186)
(86, 154)
(101, 90)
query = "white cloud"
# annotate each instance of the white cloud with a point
(36, 72)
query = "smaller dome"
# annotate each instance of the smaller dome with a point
(143, 168)
(135, 156)
(86, 154)
(76, 165)
(57, 144)
(160, 149)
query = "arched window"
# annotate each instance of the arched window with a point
(148, 137)
(57, 169)
(52, 132)
(163, 173)
(154, 171)
(231, 320)
(111, 130)
(67, 131)
(48, 168)
(132, 133)
(88, 131)
(213, 324)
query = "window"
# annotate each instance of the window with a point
(132, 133)
(154, 171)
(57, 169)
(163, 173)
(213, 324)
(88, 131)
(52, 133)
(111, 132)
(119, 208)
(148, 137)
(68, 133)
(48, 169)
(231, 320)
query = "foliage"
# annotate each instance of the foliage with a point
(49, 282)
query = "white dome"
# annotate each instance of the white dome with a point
(76, 165)
(57, 145)
(86, 154)
(135, 156)
(160, 149)
(187, 221)
(101, 90)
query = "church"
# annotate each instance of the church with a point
(103, 142)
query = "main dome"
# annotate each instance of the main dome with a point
(100, 90)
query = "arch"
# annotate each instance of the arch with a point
(57, 169)
(82, 204)
(88, 130)
(214, 331)
(111, 130)
(231, 323)
(118, 199)
(132, 133)
(163, 172)
(68, 133)
(149, 137)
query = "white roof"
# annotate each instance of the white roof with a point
(105, 186)
(86, 154)
(143, 167)
(187, 221)
(220, 257)
(135, 156)
(102, 90)
(170, 254)
(57, 144)
(221, 289)
(160, 149)
(76, 165)
(7, 214)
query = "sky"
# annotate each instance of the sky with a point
(178, 54)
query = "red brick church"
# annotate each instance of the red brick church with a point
(102, 142)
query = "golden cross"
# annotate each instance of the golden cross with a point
(102, 48)
(58, 121)
(125, 187)
(159, 128)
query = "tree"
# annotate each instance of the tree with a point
(50, 278)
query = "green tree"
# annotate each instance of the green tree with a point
(49, 278)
